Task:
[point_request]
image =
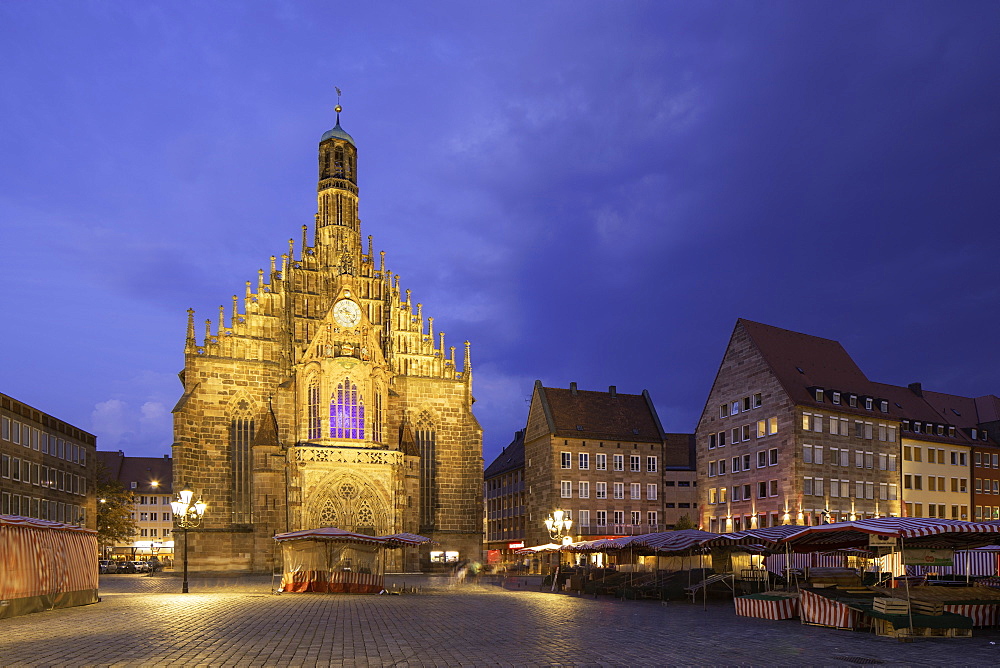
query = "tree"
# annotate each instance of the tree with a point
(683, 522)
(115, 505)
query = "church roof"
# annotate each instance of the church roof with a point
(337, 132)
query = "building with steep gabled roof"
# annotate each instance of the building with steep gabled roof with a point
(150, 480)
(602, 457)
(794, 432)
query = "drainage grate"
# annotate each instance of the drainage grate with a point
(860, 660)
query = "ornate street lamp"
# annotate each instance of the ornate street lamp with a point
(559, 524)
(188, 515)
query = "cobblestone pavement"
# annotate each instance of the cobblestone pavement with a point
(144, 621)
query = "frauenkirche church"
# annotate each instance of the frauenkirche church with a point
(326, 398)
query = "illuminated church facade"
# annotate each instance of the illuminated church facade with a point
(324, 397)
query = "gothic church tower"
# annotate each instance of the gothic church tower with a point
(324, 398)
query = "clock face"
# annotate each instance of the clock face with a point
(347, 313)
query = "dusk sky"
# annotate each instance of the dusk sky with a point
(587, 191)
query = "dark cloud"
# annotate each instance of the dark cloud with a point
(590, 192)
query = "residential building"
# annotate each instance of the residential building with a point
(827, 444)
(325, 397)
(600, 457)
(150, 480)
(794, 433)
(504, 504)
(46, 466)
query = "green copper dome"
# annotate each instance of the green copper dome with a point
(337, 132)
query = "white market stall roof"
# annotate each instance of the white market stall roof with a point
(17, 521)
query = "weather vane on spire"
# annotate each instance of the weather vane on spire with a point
(338, 108)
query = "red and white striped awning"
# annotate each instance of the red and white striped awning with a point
(768, 537)
(913, 531)
(681, 540)
(340, 535)
(548, 547)
(18, 521)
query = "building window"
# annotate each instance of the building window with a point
(651, 492)
(601, 490)
(347, 412)
(584, 461)
(584, 518)
(635, 463)
(635, 491)
(761, 490)
(602, 462)
(566, 489)
(315, 428)
(583, 489)
(379, 416)
(636, 517)
(761, 428)
(761, 459)
(772, 457)
(619, 462)
(735, 435)
(619, 517)
(602, 518)
(619, 490)
(772, 425)
(426, 441)
(724, 410)
(241, 431)
(651, 464)
(651, 518)
(722, 439)
(712, 469)
(567, 460)
(758, 400)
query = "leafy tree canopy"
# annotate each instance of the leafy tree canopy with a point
(115, 506)
(684, 522)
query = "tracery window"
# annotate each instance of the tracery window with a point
(241, 431)
(315, 427)
(347, 412)
(426, 441)
(338, 162)
(377, 417)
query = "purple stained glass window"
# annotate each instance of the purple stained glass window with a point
(347, 412)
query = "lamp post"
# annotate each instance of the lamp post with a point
(559, 524)
(187, 514)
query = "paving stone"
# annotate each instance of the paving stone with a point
(144, 621)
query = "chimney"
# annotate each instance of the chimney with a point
(613, 391)
(572, 388)
(917, 389)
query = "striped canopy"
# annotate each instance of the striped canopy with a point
(334, 534)
(912, 532)
(767, 537)
(663, 542)
(18, 521)
(548, 547)
(599, 545)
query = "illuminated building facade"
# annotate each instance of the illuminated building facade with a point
(794, 433)
(150, 480)
(603, 458)
(326, 398)
(47, 466)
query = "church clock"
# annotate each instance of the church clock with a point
(347, 313)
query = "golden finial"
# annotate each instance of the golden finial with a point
(338, 108)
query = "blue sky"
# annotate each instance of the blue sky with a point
(588, 191)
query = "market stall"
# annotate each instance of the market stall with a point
(332, 560)
(45, 565)
(768, 605)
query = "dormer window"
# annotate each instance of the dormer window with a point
(819, 394)
(868, 403)
(835, 397)
(906, 425)
(853, 401)
(974, 433)
(985, 436)
(916, 427)
(884, 406)
(940, 430)
(951, 431)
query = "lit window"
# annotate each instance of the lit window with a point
(347, 412)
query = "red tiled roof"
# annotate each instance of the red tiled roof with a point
(141, 470)
(801, 361)
(602, 415)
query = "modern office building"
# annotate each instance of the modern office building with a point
(47, 466)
